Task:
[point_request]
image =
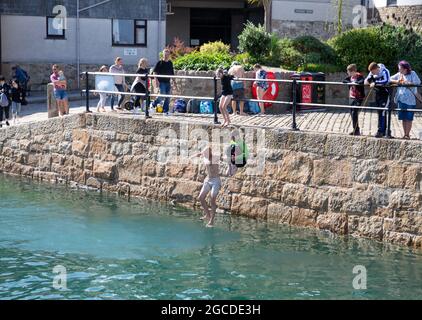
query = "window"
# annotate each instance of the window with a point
(391, 3)
(55, 28)
(129, 32)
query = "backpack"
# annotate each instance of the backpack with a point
(254, 107)
(180, 106)
(206, 107)
(4, 101)
(239, 160)
(193, 106)
(26, 75)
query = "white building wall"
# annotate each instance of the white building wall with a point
(24, 40)
(322, 10)
(383, 3)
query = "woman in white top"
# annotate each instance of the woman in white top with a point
(406, 96)
(119, 81)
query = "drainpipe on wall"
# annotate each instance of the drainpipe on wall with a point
(270, 17)
(78, 52)
(1, 60)
(78, 46)
(159, 26)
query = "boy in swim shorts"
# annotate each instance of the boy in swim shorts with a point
(212, 184)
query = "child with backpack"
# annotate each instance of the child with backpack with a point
(4, 100)
(17, 98)
(356, 95)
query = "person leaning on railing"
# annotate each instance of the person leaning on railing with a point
(356, 95)
(378, 78)
(406, 96)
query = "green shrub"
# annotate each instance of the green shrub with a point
(255, 41)
(309, 44)
(291, 59)
(274, 56)
(215, 47)
(383, 44)
(203, 61)
(319, 67)
(245, 60)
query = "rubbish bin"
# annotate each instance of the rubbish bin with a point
(310, 92)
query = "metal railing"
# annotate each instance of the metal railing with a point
(295, 104)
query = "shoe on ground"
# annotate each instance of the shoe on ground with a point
(379, 135)
(355, 133)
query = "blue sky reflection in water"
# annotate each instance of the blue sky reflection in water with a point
(118, 249)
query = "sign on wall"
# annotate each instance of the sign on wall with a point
(130, 52)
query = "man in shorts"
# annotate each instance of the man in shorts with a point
(238, 86)
(212, 184)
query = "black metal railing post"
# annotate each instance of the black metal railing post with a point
(294, 108)
(215, 101)
(147, 97)
(87, 91)
(389, 112)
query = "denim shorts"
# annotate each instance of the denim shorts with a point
(60, 94)
(404, 114)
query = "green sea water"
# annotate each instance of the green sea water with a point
(112, 248)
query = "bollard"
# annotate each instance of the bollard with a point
(87, 91)
(147, 97)
(52, 109)
(294, 109)
(215, 101)
(389, 113)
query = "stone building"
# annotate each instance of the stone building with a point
(406, 13)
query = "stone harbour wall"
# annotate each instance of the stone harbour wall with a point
(356, 186)
(407, 16)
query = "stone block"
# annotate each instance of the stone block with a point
(104, 170)
(332, 172)
(334, 222)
